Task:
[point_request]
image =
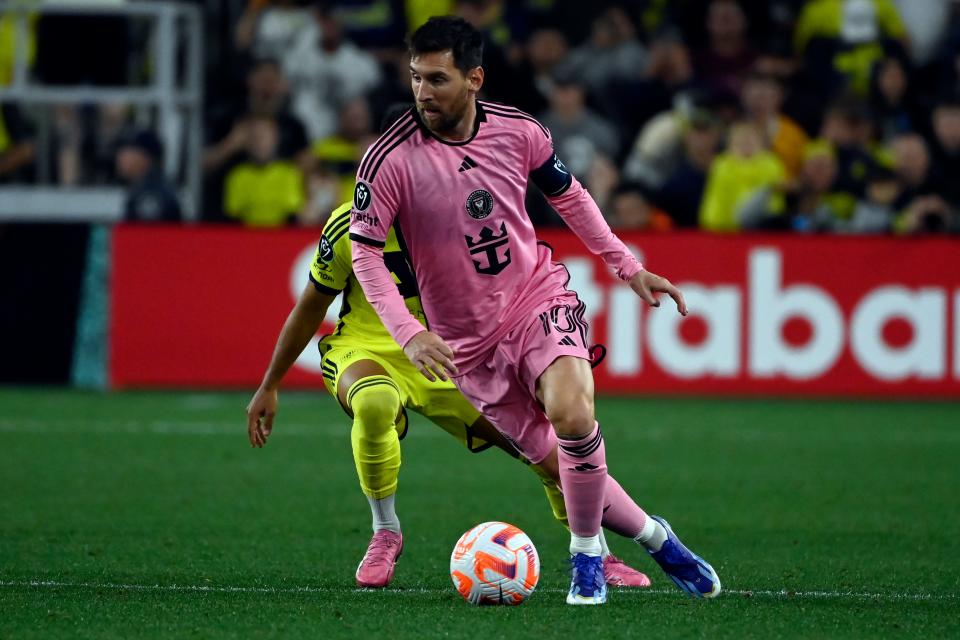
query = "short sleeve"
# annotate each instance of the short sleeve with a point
(332, 264)
(376, 197)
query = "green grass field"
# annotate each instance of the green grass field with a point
(148, 515)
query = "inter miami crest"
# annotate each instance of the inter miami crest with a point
(479, 204)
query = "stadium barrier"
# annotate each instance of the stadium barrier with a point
(770, 314)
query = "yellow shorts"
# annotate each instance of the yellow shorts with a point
(440, 402)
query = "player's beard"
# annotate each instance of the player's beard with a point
(448, 120)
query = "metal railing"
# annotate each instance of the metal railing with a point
(175, 93)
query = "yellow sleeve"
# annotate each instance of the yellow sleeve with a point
(332, 265)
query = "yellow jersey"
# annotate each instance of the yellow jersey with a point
(331, 272)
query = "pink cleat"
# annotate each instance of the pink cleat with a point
(376, 568)
(620, 574)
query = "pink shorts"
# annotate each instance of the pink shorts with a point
(503, 387)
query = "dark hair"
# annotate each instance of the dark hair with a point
(145, 140)
(442, 33)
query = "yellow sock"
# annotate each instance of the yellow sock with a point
(554, 497)
(375, 402)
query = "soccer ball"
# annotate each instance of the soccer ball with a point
(495, 563)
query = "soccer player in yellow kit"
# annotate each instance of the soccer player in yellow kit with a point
(375, 384)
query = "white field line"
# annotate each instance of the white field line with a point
(340, 427)
(745, 593)
(82, 426)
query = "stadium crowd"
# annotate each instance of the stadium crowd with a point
(724, 115)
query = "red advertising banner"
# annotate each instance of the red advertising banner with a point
(770, 314)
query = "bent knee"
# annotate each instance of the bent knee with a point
(375, 402)
(572, 416)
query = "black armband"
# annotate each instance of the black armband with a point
(552, 177)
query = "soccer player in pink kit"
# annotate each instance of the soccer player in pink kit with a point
(450, 177)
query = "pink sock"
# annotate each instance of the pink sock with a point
(583, 475)
(620, 513)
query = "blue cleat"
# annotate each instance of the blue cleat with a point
(690, 572)
(588, 585)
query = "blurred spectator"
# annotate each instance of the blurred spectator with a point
(266, 190)
(17, 148)
(377, 26)
(876, 211)
(724, 63)
(506, 80)
(682, 191)
(919, 203)
(853, 21)
(735, 175)
(326, 71)
(928, 214)
(602, 179)
(631, 210)
(891, 99)
(762, 101)
(150, 197)
(946, 148)
(268, 28)
(337, 158)
(650, 89)
(670, 62)
(842, 40)
(579, 134)
(911, 164)
(847, 126)
(545, 50)
(612, 54)
(267, 97)
(813, 204)
(658, 150)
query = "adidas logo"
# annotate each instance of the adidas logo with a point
(567, 341)
(585, 466)
(467, 164)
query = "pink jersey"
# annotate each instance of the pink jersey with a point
(459, 209)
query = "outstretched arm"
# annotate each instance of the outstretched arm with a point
(301, 325)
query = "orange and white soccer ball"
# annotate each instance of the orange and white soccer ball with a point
(495, 563)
